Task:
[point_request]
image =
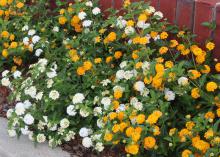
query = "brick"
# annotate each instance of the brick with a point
(216, 34)
(204, 11)
(106, 4)
(185, 13)
(118, 4)
(168, 8)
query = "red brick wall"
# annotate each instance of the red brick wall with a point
(185, 13)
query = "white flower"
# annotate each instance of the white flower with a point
(70, 110)
(52, 73)
(54, 95)
(129, 30)
(96, 11)
(84, 132)
(82, 15)
(83, 112)
(106, 101)
(42, 62)
(89, 4)
(87, 142)
(133, 100)
(35, 39)
(120, 74)
(25, 28)
(150, 10)
(30, 136)
(100, 123)
(17, 74)
(41, 138)
(159, 15)
(143, 25)
(145, 92)
(64, 123)
(39, 96)
(97, 111)
(27, 104)
(138, 106)
(87, 23)
(105, 82)
(146, 66)
(99, 147)
(32, 91)
(123, 64)
(12, 133)
(169, 95)
(5, 82)
(31, 32)
(49, 83)
(19, 108)
(78, 98)
(121, 23)
(183, 81)
(55, 29)
(139, 86)
(26, 41)
(5, 73)
(25, 130)
(38, 52)
(28, 119)
(9, 113)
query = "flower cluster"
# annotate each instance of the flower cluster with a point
(133, 81)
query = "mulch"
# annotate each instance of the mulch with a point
(4, 105)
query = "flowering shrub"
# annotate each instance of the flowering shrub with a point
(132, 80)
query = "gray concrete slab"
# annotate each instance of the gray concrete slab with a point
(12, 147)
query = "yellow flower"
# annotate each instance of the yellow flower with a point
(172, 131)
(209, 134)
(159, 68)
(14, 45)
(108, 137)
(149, 142)
(211, 86)
(142, 17)
(153, 34)
(138, 65)
(62, 20)
(17, 60)
(3, 3)
(130, 23)
(218, 112)
(183, 133)
(153, 118)
(129, 131)
(185, 52)
(97, 39)
(217, 67)
(163, 35)
(210, 115)
(19, 5)
(118, 94)
(210, 46)
(190, 125)
(180, 47)
(132, 149)
(98, 60)
(108, 59)
(75, 20)
(112, 115)
(80, 71)
(156, 130)
(206, 69)
(111, 37)
(62, 11)
(196, 50)
(116, 128)
(5, 53)
(186, 153)
(169, 64)
(173, 43)
(120, 115)
(87, 65)
(148, 80)
(5, 34)
(200, 144)
(195, 93)
(194, 74)
(118, 54)
(163, 50)
(140, 118)
(12, 37)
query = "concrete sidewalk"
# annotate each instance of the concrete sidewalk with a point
(12, 147)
